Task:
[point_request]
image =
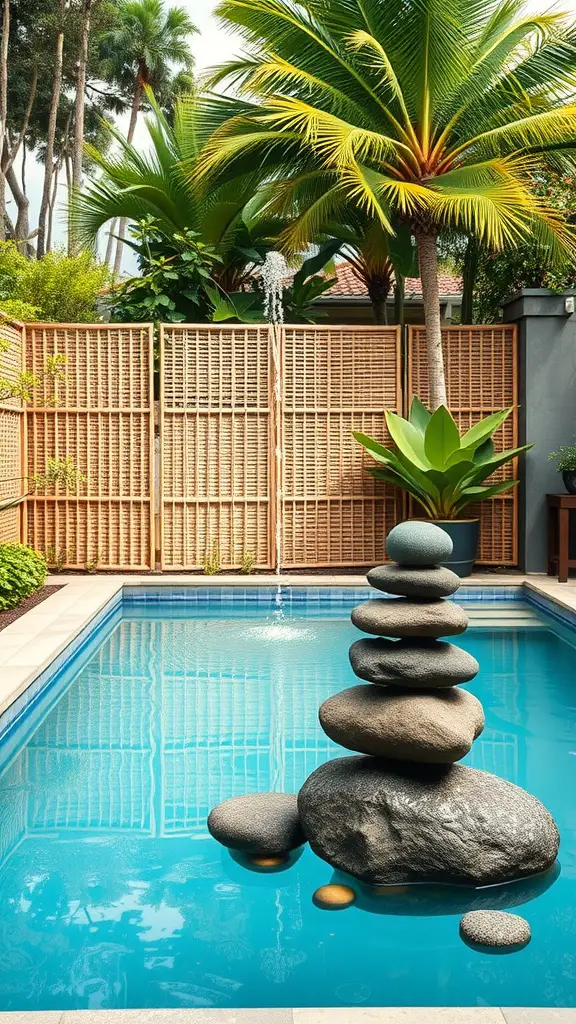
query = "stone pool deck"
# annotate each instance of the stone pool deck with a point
(394, 1015)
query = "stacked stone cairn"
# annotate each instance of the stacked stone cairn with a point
(402, 810)
(406, 811)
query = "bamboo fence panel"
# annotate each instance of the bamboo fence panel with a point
(100, 414)
(482, 377)
(336, 380)
(11, 432)
(216, 445)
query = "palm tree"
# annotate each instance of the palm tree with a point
(431, 111)
(154, 182)
(139, 52)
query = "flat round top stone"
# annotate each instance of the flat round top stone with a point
(259, 823)
(418, 543)
(409, 581)
(495, 929)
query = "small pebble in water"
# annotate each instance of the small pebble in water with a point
(334, 896)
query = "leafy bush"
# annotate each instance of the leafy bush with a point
(565, 458)
(56, 288)
(22, 572)
(443, 471)
(15, 309)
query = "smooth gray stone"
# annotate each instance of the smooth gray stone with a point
(495, 929)
(418, 543)
(400, 617)
(437, 727)
(413, 664)
(389, 823)
(406, 581)
(259, 823)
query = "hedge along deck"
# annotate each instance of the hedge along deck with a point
(225, 409)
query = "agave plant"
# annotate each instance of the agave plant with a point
(442, 470)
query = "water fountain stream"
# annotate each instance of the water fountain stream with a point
(275, 273)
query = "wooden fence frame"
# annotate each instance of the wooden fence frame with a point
(361, 506)
(79, 380)
(487, 354)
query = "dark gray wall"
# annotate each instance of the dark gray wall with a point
(547, 369)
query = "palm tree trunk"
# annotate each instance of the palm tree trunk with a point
(4, 108)
(469, 280)
(79, 109)
(136, 104)
(428, 257)
(51, 134)
(110, 245)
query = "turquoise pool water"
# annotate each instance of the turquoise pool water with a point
(112, 893)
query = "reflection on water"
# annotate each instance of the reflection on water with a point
(114, 895)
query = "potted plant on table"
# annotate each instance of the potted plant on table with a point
(444, 471)
(565, 459)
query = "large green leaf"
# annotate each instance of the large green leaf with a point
(485, 429)
(442, 438)
(486, 469)
(419, 415)
(474, 494)
(408, 439)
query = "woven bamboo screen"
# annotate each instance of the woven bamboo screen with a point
(100, 414)
(216, 449)
(11, 415)
(336, 380)
(481, 370)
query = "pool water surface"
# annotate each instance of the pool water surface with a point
(113, 894)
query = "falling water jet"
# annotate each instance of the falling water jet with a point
(275, 273)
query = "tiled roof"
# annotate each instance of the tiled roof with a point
(349, 284)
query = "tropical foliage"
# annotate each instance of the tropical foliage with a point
(431, 111)
(198, 254)
(442, 470)
(22, 572)
(55, 288)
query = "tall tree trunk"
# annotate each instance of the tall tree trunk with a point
(469, 280)
(79, 109)
(378, 300)
(53, 200)
(428, 258)
(51, 134)
(22, 226)
(4, 108)
(110, 245)
(136, 104)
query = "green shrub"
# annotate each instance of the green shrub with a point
(22, 572)
(56, 288)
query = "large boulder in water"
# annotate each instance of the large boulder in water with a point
(392, 823)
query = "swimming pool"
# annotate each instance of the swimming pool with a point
(112, 893)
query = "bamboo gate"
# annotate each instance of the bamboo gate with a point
(241, 441)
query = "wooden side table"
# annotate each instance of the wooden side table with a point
(559, 508)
